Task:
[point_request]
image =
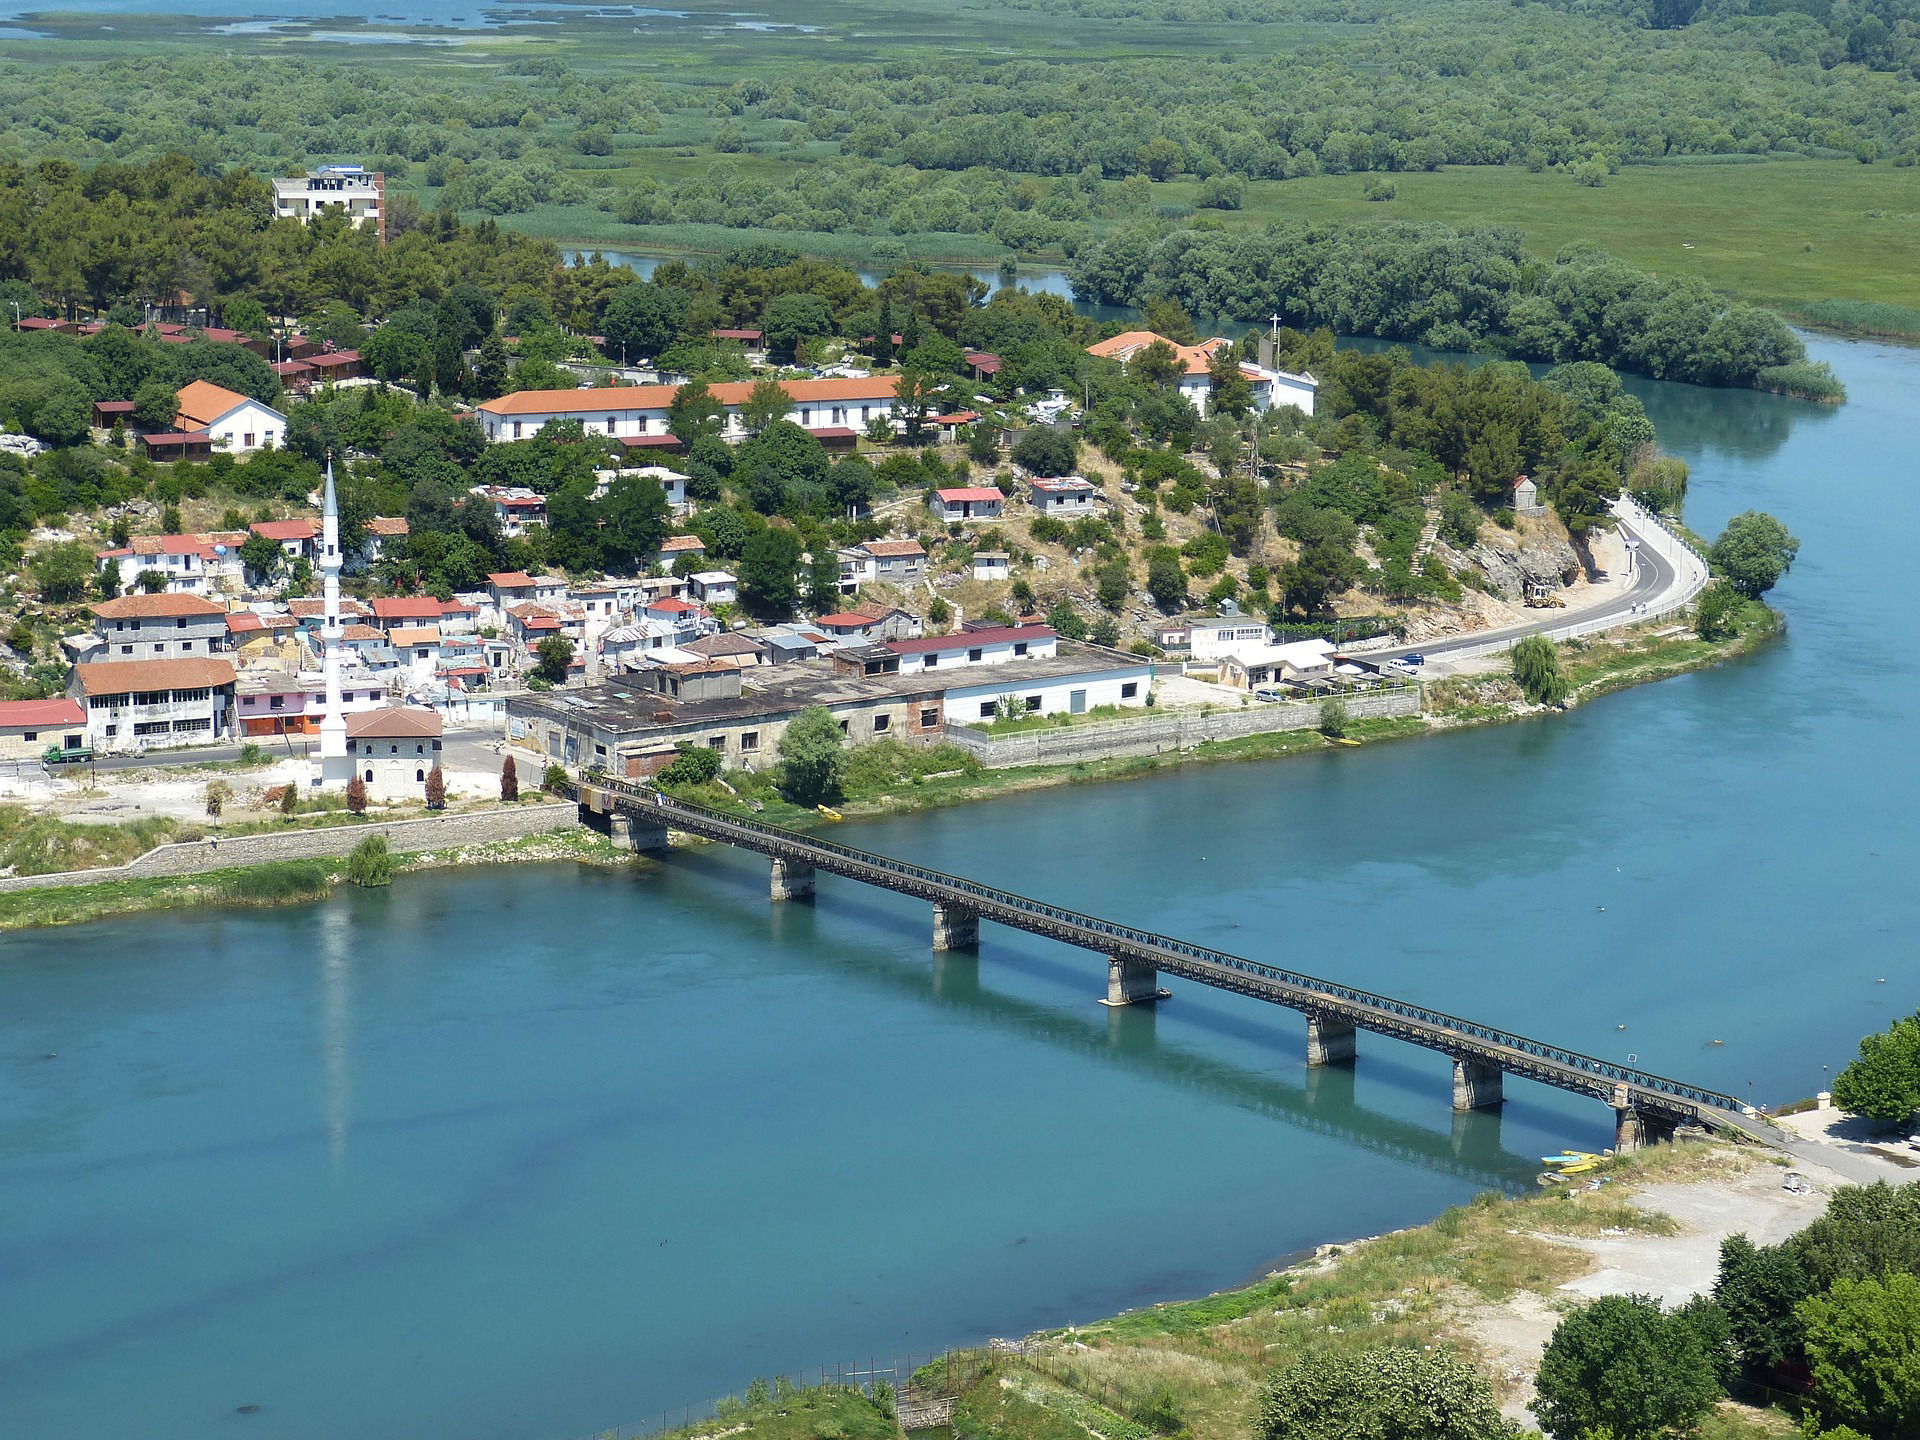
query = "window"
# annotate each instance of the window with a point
(719, 742)
(419, 749)
(516, 435)
(749, 741)
(929, 719)
(393, 749)
(974, 655)
(31, 736)
(1129, 690)
(419, 774)
(152, 727)
(930, 661)
(126, 649)
(613, 425)
(987, 707)
(246, 440)
(1033, 702)
(881, 724)
(180, 624)
(369, 777)
(843, 727)
(188, 727)
(1019, 647)
(277, 702)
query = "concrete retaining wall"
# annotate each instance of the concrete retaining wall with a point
(1107, 739)
(437, 832)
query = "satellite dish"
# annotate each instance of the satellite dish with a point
(219, 549)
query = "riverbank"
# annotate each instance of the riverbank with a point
(286, 882)
(890, 779)
(1486, 1281)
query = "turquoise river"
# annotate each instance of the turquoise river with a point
(528, 1152)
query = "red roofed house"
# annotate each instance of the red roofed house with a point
(844, 624)
(623, 411)
(984, 364)
(336, 365)
(968, 502)
(390, 611)
(236, 424)
(1271, 387)
(394, 750)
(897, 562)
(149, 704)
(186, 561)
(382, 532)
(141, 627)
(529, 624)
(508, 586)
(296, 537)
(30, 728)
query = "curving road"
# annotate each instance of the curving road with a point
(1666, 575)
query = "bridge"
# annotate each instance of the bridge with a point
(1646, 1107)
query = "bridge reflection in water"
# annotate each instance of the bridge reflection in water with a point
(1647, 1107)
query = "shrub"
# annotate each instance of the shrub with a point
(277, 884)
(371, 863)
(696, 765)
(509, 780)
(436, 789)
(554, 782)
(1717, 614)
(356, 796)
(1333, 719)
(1536, 670)
(218, 793)
(289, 799)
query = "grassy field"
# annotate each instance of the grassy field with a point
(1785, 233)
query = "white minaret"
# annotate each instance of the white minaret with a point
(336, 766)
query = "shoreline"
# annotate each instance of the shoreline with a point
(1624, 659)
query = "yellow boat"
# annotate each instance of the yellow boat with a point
(1340, 740)
(830, 814)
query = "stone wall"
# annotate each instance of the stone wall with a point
(437, 832)
(1176, 730)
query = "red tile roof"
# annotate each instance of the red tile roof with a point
(658, 397)
(406, 607)
(977, 494)
(15, 714)
(286, 529)
(154, 607)
(510, 580)
(204, 402)
(393, 723)
(124, 677)
(893, 547)
(1196, 359)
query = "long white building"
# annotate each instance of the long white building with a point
(361, 193)
(638, 413)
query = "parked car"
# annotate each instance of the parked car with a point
(1416, 660)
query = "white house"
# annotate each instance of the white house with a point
(968, 502)
(1259, 665)
(141, 627)
(989, 645)
(1526, 498)
(637, 413)
(150, 704)
(1270, 387)
(1210, 639)
(235, 424)
(670, 481)
(624, 647)
(992, 565)
(715, 587)
(296, 537)
(360, 193)
(394, 750)
(187, 562)
(982, 697)
(514, 506)
(1063, 495)
(419, 646)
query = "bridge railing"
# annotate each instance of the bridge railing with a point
(1312, 986)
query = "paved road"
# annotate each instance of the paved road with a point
(1656, 581)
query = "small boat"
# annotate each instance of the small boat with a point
(1340, 740)
(830, 814)
(1570, 1157)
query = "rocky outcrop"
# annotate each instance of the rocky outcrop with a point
(1513, 561)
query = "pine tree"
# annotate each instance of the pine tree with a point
(356, 796)
(509, 780)
(437, 786)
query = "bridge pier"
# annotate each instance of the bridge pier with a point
(1477, 1086)
(1635, 1129)
(1132, 982)
(792, 880)
(642, 833)
(1329, 1042)
(955, 927)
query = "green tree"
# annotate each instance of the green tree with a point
(1046, 451)
(791, 320)
(633, 519)
(1863, 1346)
(695, 765)
(1623, 1367)
(155, 405)
(61, 572)
(813, 758)
(1716, 613)
(1753, 552)
(1113, 582)
(371, 863)
(263, 557)
(1334, 719)
(1166, 581)
(694, 412)
(1882, 1082)
(767, 403)
(551, 659)
(1391, 1394)
(1065, 619)
(769, 583)
(1536, 670)
(643, 320)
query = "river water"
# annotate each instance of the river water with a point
(519, 1154)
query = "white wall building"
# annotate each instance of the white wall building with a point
(987, 646)
(361, 193)
(236, 424)
(394, 750)
(151, 627)
(1122, 684)
(1224, 634)
(1064, 495)
(153, 704)
(671, 481)
(636, 412)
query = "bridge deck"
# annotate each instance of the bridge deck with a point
(1323, 999)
